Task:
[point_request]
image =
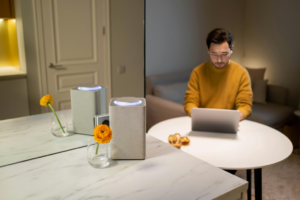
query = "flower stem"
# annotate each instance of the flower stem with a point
(97, 149)
(56, 117)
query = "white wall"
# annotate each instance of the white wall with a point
(127, 47)
(176, 31)
(272, 31)
(34, 82)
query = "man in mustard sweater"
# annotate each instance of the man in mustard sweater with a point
(219, 83)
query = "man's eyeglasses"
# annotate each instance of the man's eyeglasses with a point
(222, 56)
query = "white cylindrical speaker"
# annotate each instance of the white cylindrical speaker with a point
(86, 102)
(127, 118)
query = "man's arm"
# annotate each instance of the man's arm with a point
(244, 96)
(192, 98)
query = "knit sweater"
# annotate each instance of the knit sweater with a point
(224, 88)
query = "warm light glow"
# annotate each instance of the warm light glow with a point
(1, 20)
(13, 20)
(9, 55)
(9, 70)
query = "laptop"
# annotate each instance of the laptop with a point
(215, 120)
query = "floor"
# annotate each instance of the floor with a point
(280, 181)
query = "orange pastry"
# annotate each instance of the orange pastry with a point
(175, 141)
(172, 139)
(178, 136)
(185, 141)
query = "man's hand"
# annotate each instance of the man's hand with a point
(241, 116)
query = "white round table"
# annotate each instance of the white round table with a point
(254, 146)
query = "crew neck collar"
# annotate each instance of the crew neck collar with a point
(219, 70)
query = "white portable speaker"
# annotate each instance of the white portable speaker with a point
(127, 118)
(86, 103)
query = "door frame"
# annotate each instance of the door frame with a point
(36, 58)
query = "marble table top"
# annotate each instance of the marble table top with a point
(30, 137)
(166, 173)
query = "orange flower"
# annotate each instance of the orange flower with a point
(103, 134)
(45, 100)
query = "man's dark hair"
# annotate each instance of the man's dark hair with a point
(218, 36)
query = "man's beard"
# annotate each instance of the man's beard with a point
(218, 66)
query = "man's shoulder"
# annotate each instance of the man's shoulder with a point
(237, 67)
(201, 66)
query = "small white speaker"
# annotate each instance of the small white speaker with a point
(86, 103)
(127, 118)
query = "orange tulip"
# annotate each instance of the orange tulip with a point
(103, 134)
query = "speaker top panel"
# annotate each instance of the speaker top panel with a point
(127, 101)
(91, 88)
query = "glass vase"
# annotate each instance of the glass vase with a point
(97, 154)
(55, 126)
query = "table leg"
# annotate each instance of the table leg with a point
(258, 184)
(249, 183)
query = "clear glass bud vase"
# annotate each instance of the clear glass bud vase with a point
(55, 126)
(97, 158)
